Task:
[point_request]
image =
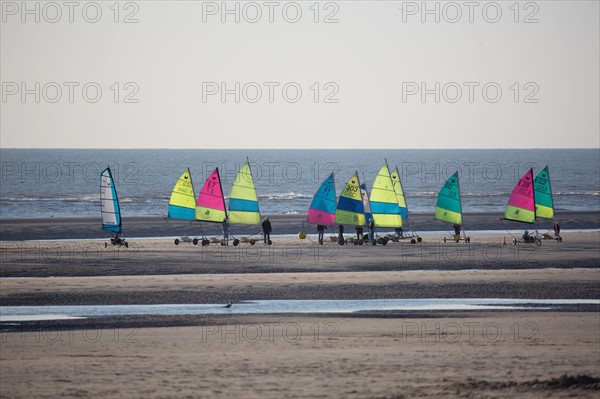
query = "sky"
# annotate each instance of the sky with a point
(341, 74)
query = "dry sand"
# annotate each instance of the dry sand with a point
(501, 355)
(377, 354)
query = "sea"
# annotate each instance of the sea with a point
(37, 183)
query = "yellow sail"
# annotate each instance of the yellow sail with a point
(350, 209)
(384, 203)
(182, 204)
(243, 202)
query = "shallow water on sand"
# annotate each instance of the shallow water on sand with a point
(28, 313)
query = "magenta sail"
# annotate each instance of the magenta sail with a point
(320, 217)
(210, 206)
(521, 204)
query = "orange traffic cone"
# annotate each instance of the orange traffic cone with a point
(504, 240)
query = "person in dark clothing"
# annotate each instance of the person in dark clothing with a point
(267, 229)
(321, 230)
(456, 229)
(341, 234)
(359, 232)
(225, 233)
(371, 229)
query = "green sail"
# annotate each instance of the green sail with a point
(544, 206)
(448, 207)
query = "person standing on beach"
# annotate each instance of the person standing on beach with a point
(371, 229)
(266, 227)
(341, 234)
(321, 231)
(556, 229)
(225, 232)
(359, 232)
(456, 229)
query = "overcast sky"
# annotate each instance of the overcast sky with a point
(344, 74)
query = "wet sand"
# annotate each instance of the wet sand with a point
(87, 228)
(221, 288)
(290, 255)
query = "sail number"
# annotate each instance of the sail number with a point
(350, 190)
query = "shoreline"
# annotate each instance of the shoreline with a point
(22, 229)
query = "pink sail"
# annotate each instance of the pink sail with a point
(521, 204)
(210, 206)
(320, 217)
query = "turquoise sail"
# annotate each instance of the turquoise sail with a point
(109, 202)
(544, 206)
(448, 206)
(323, 205)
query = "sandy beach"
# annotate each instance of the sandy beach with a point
(378, 354)
(501, 355)
(461, 139)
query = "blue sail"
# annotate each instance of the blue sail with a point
(110, 211)
(323, 205)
